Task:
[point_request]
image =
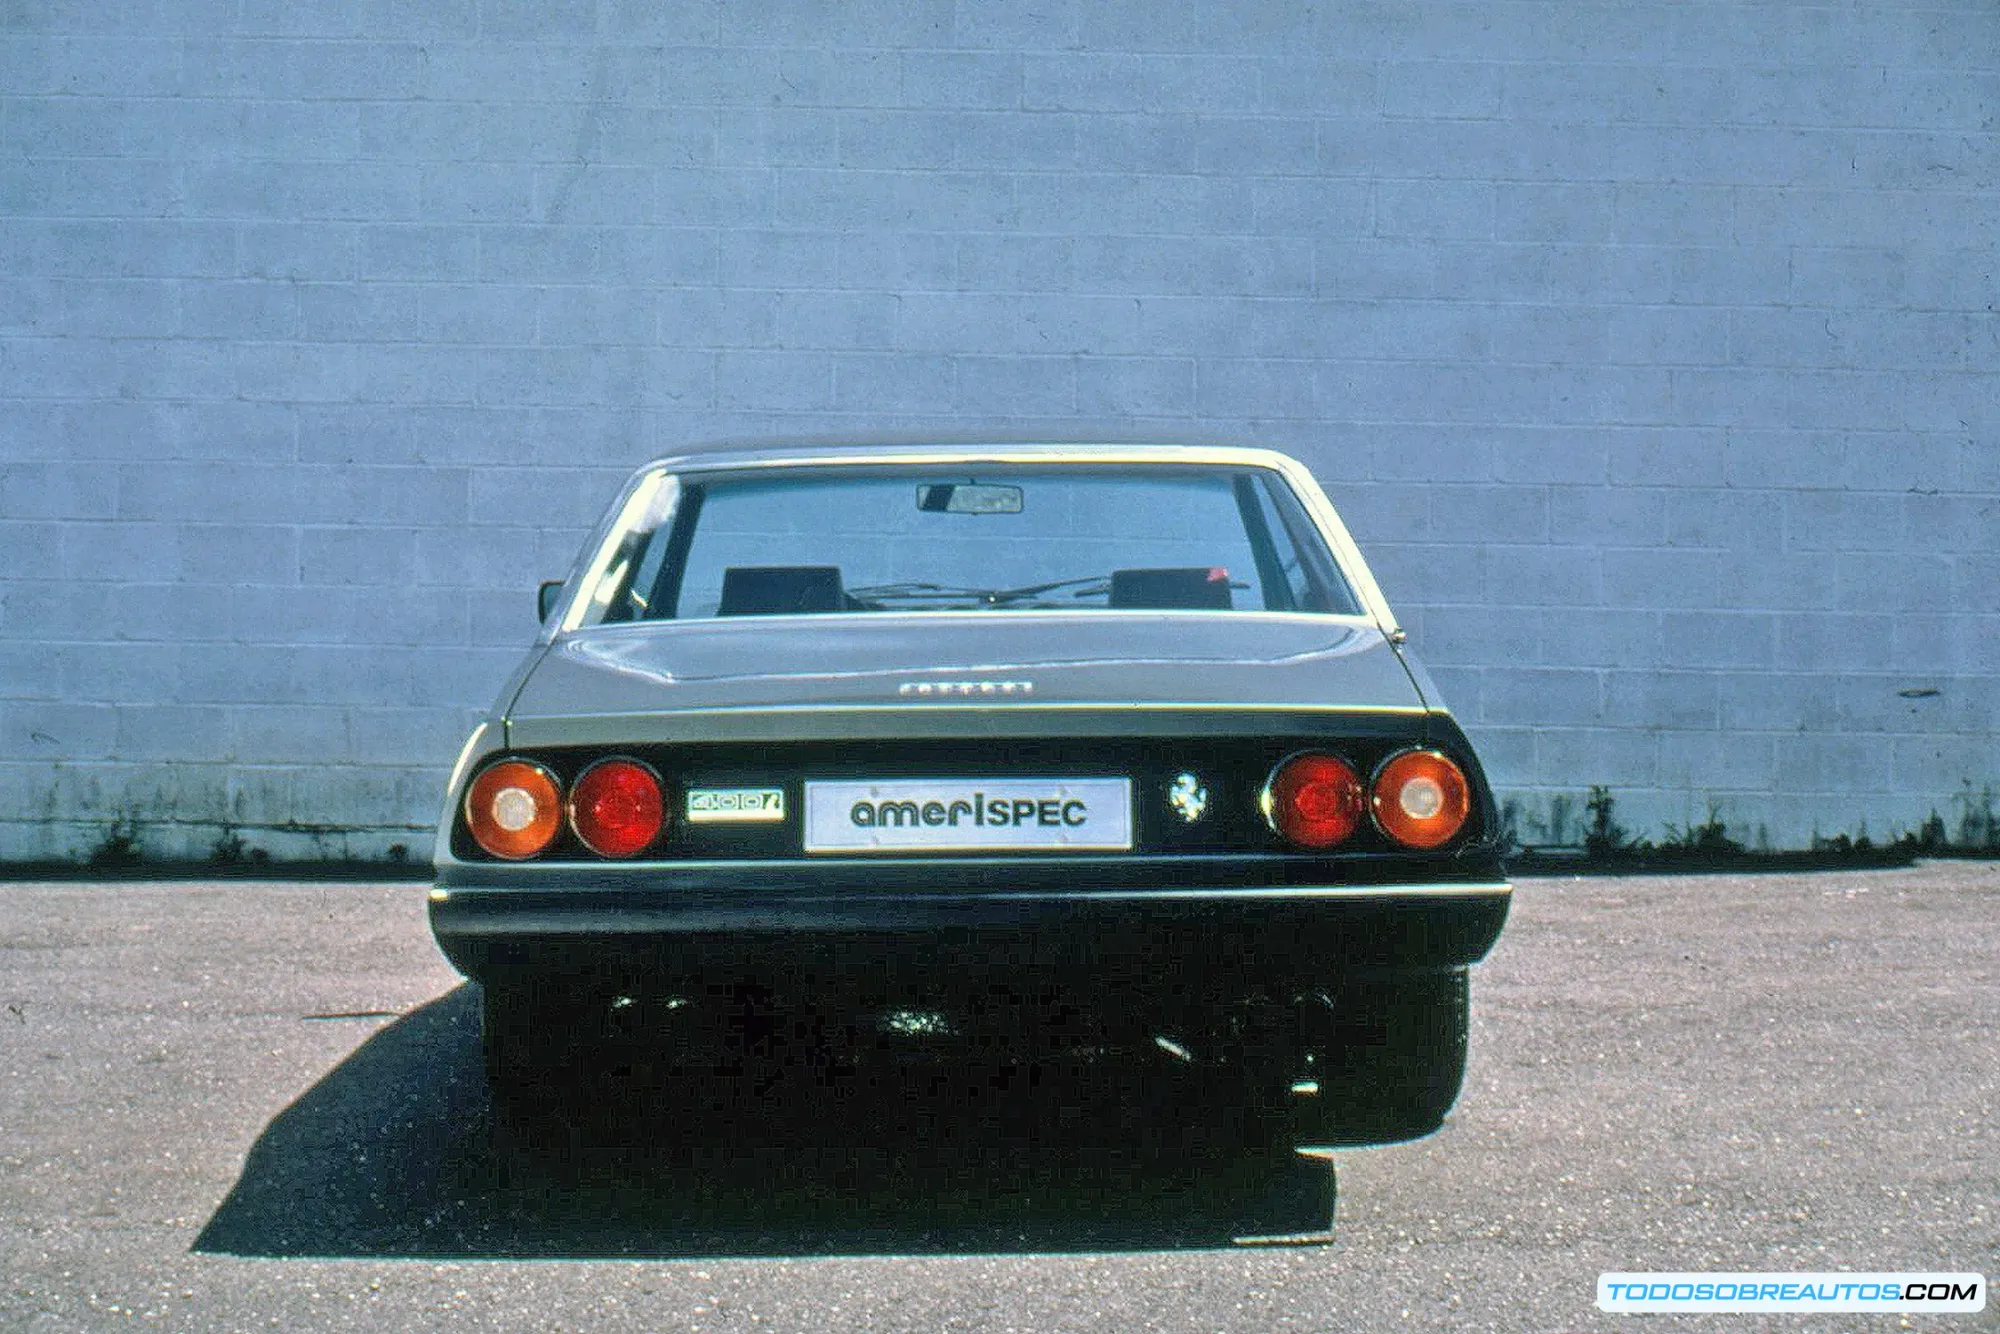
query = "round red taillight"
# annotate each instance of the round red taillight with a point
(617, 808)
(514, 809)
(1313, 800)
(1420, 798)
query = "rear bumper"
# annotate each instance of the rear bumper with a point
(809, 923)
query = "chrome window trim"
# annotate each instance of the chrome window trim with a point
(601, 549)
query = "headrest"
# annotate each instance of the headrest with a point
(779, 590)
(1194, 587)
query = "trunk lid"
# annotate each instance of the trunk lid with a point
(994, 661)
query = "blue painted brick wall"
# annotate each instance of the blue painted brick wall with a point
(1650, 348)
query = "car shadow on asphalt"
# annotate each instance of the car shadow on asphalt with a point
(398, 1151)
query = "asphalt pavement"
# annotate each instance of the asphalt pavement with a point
(252, 1106)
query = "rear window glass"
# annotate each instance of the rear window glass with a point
(992, 538)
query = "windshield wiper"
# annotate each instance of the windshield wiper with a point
(990, 597)
(914, 589)
(1101, 582)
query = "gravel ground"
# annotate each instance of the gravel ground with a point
(253, 1106)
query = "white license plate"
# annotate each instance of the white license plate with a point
(970, 815)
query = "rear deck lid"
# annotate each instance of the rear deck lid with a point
(687, 677)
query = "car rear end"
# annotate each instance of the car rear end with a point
(1242, 844)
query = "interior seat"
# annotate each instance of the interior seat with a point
(1188, 588)
(779, 590)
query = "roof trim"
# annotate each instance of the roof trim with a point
(949, 452)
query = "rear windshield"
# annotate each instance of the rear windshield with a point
(861, 541)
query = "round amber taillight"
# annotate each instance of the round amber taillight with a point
(514, 809)
(1313, 800)
(1420, 798)
(617, 808)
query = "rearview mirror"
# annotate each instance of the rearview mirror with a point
(545, 598)
(968, 498)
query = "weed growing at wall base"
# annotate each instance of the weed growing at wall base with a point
(120, 845)
(1978, 825)
(1603, 843)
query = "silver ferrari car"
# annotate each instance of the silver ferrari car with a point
(1028, 752)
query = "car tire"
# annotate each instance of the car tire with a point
(1387, 1058)
(527, 1037)
(1297, 1197)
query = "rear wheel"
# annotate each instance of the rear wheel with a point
(1384, 1061)
(529, 1035)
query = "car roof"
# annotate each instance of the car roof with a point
(947, 452)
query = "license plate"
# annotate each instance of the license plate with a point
(970, 815)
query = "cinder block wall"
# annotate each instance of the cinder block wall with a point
(1650, 348)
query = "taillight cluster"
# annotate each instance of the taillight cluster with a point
(1418, 798)
(515, 808)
